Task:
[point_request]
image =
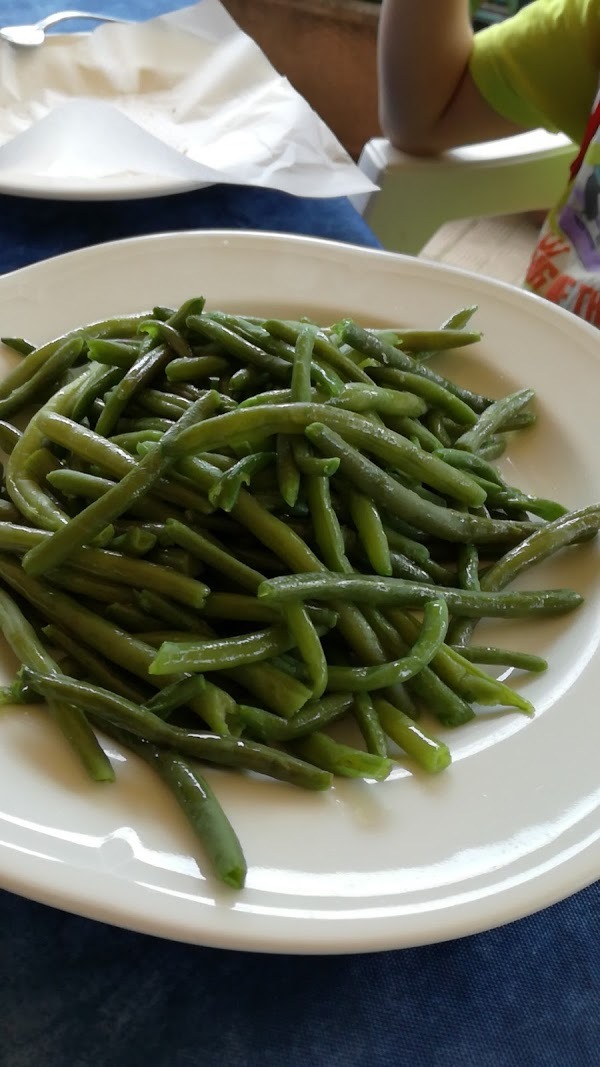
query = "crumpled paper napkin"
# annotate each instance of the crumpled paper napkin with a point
(180, 101)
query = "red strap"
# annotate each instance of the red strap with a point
(590, 132)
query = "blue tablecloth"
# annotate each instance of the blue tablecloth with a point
(75, 993)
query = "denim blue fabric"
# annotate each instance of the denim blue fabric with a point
(75, 993)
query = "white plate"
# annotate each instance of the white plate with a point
(109, 187)
(128, 186)
(512, 826)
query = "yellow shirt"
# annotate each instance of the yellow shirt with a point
(540, 68)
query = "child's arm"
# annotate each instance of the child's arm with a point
(428, 101)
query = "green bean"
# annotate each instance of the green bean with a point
(239, 607)
(117, 645)
(73, 483)
(9, 436)
(403, 567)
(165, 333)
(426, 687)
(506, 657)
(208, 551)
(148, 363)
(295, 418)
(464, 677)
(18, 344)
(97, 669)
(275, 688)
(168, 610)
(417, 433)
(566, 530)
(175, 695)
(288, 474)
(372, 589)
(573, 527)
(360, 398)
(222, 652)
(428, 751)
(301, 367)
(492, 418)
(225, 493)
(323, 375)
(94, 386)
(306, 639)
(493, 448)
(372, 347)
(134, 542)
(341, 760)
(313, 716)
(416, 341)
(323, 347)
(369, 725)
(8, 512)
(96, 516)
(275, 396)
(408, 505)
(226, 751)
(244, 350)
(431, 393)
(178, 319)
(72, 723)
(328, 533)
(31, 500)
(308, 463)
(201, 808)
(112, 353)
(47, 374)
(129, 617)
(369, 527)
(368, 679)
(129, 571)
(195, 368)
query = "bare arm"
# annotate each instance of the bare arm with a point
(428, 101)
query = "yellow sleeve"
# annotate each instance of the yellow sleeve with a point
(541, 67)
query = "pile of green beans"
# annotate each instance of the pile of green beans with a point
(222, 535)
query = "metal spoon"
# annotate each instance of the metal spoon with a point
(34, 35)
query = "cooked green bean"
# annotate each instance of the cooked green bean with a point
(368, 679)
(226, 751)
(372, 347)
(226, 491)
(239, 425)
(313, 716)
(430, 753)
(83, 527)
(339, 759)
(369, 724)
(492, 418)
(386, 491)
(201, 808)
(371, 589)
(71, 721)
(371, 532)
(222, 653)
(18, 344)
(288, 473)
(506, 657)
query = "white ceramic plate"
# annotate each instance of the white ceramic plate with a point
(512, 826)
(134, 185)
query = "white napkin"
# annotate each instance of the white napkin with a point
(186, 97)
